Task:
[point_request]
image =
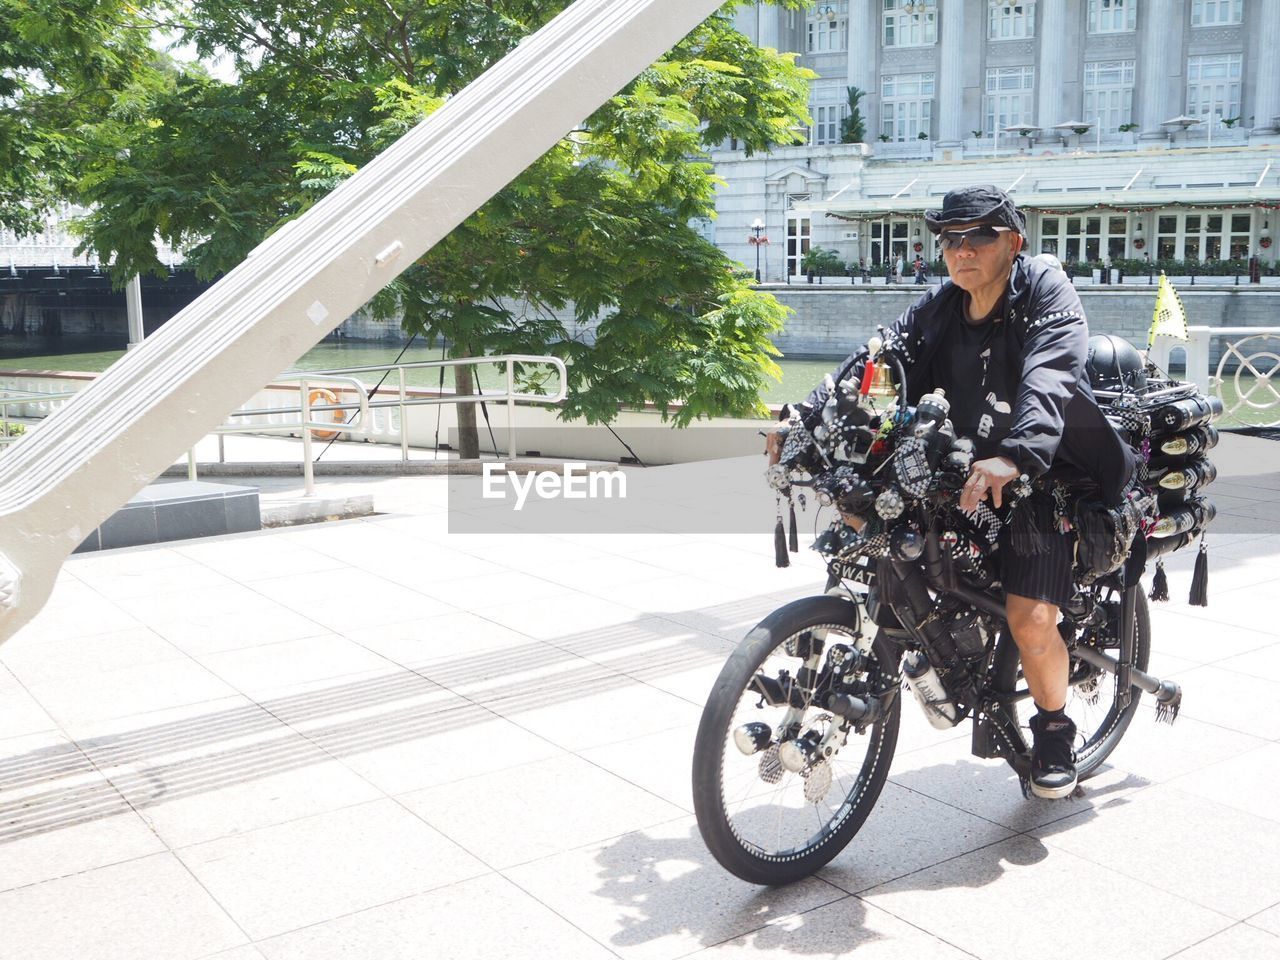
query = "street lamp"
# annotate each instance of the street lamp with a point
(757, 240)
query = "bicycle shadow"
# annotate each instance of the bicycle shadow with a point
(665, 886)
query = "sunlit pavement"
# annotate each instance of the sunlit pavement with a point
(377, 739)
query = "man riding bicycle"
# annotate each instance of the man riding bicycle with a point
(1007, 339)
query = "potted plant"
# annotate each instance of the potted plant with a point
(1127, 131)
(820, 262)
(883, 138)
(922, 135)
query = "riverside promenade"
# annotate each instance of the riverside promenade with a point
(378, 739)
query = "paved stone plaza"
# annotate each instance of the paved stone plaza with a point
(374, 739)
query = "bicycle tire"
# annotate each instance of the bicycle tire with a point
(731, 827)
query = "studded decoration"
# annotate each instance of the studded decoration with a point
(890, 504)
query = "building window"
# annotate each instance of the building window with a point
(828, 104)
(1112, 16)
(1241, 235)
(1084, 238)
(1108, 93)
(889, 241)
(799, 236)
(1213, 85)
(910, 23)
(1011, 21)
(1009, 97)
(1215, 13)
(1204, 235)
(906, 105)
(828, 27)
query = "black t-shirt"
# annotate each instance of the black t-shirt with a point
(972, 367)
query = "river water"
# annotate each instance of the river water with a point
(33, 353)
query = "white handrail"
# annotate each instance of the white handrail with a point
(1197, 349)
(319, 379)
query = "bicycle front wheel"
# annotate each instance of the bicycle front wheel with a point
(781, 784)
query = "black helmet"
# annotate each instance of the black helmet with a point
(1115, 365)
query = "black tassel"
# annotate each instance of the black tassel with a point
(1167, 710)
(793, 537)
(780, 544)
(1030, 517)
(1160, 583)
(1200, 579)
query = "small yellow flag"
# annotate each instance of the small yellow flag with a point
(1169, 319)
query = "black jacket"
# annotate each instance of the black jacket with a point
(1056, 420)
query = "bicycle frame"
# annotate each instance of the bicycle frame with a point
(996, 732)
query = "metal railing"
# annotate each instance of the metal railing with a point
(364, 405)
(25, 398)
(357, 417)
(1243, 375)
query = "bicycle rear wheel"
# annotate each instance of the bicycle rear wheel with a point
(1093, 697)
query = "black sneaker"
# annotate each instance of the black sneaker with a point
(1053, 761)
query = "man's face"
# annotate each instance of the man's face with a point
(974, 266)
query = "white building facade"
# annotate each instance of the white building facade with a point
(1126, 129)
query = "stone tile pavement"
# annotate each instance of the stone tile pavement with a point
(376, 739)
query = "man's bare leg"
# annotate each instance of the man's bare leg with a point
(1045, 663)
(1034, 624)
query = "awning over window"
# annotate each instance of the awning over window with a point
(1057, 201)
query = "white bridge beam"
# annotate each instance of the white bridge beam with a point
(61, 482)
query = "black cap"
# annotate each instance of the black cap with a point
(985, 203)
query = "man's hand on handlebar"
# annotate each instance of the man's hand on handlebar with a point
(773, 441)
(991, 474)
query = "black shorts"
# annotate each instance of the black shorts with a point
(1040, 576)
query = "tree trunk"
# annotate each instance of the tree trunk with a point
(464, 384)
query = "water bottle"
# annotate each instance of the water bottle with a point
(1184, 414)
(1194, 514)
(927, 686)
(1191, 477)
(1191, 443)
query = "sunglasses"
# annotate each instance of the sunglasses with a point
(982, 236)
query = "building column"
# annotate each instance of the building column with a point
(1053, 27)
(768, 33)
(951, 74)
(1157, 18)
(1266, 71)
(861, 59)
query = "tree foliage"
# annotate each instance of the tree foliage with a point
(64, 64)
(599, 226)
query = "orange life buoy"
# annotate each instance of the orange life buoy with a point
(326, 397)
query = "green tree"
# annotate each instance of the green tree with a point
(64, 64)
(853, 128)
(600, 222)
